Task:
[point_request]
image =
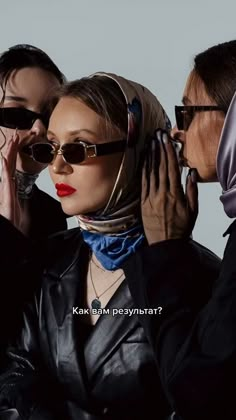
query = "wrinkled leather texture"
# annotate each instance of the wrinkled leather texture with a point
(114, 376)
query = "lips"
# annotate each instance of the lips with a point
(63, 190)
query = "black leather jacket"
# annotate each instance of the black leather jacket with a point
(196, 352)
(46, 215)
(114, 374)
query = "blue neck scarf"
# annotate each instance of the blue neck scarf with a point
(113, 250)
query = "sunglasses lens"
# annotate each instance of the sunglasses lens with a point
(178, 118)
(73, 153)
(184, 117)
(20, 118)
(188, 115)
(42, 152)
(17, 118)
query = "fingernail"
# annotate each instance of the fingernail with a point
(193, 174)
(158, 135)
(165, 138)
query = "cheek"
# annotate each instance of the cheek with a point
(98, 177)
(202, 140)
(94, 182)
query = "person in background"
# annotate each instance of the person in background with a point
(28, 77)
(195, 353)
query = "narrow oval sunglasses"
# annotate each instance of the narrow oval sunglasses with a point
(21, 118)
(72, 153)
(185, 114)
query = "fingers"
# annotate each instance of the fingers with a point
(192, 193)
(173, 165)
(7, 193)
(145, 189)
(11, 153)
(163, 169)
(155, 162)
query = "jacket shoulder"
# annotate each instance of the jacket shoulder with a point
(66, 238)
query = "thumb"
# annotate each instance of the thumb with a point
(192, 192)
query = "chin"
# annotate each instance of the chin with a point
(71, 209)
(206, 176)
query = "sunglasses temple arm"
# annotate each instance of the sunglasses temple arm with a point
(109, 148)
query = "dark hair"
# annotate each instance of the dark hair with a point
(216, 67)
(24, 55)
(102, 94)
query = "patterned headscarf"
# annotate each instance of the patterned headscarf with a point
(145, 115)
(226, 161)
(116, 231)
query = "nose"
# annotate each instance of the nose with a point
(59, 166)
(38, 128)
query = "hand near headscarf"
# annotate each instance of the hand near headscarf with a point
(9, 202)
(167, 211)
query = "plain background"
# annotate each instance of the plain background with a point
(151, 41)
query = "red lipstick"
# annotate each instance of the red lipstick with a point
(63, 190)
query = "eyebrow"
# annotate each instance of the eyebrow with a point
(76, 132)
(15, 98)
(186, 100)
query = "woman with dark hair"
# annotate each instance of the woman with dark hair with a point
(27, 79)
(196, 354)
(83, 353)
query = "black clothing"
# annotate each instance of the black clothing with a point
(46, 215)
(196, 354)
(112, 376)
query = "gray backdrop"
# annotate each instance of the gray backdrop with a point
(152, 41)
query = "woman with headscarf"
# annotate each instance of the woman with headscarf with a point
(196, 354)
(83, 353)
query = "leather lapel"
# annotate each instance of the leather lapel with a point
(109, 330)
(63, 294)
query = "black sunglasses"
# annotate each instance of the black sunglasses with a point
(73, 153)
(185, 114)
(21, 118)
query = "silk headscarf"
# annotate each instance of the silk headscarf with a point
(116, 231)
(145, 115)
(226, 161)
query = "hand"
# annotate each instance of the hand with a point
(167, 212)
(9, 203)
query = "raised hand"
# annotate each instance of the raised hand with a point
(167, 211)
(9, 203)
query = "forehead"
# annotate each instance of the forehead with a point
(195, 91)
(71, 114)
(75, 112)
(33, 84)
